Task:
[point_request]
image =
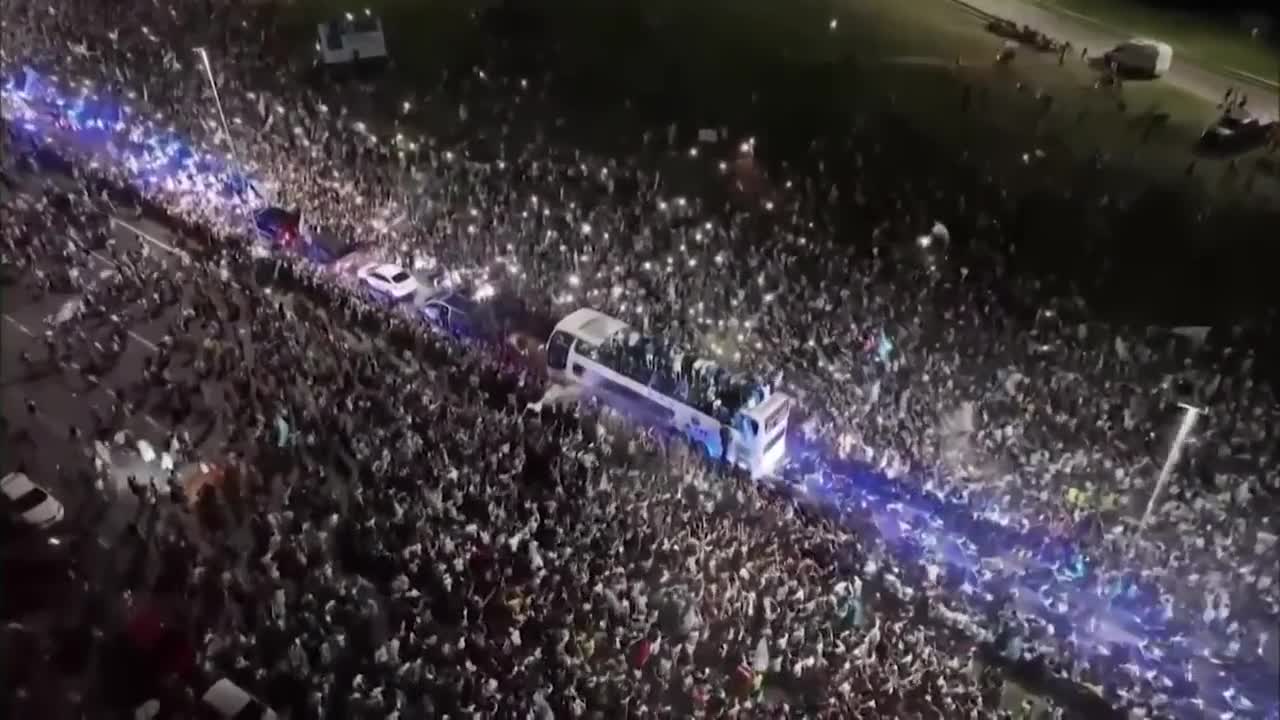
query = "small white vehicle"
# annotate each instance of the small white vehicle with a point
(228, 701)
(386, 279)
(30, 502)
(1141, 57)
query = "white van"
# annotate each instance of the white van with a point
(1141, 57)
(229, 701)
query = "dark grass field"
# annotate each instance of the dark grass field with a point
(1184, 248)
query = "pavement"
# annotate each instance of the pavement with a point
(1204, 82)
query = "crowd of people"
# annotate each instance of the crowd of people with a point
(481, 559)
(926, 369)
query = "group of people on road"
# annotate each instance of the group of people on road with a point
(395, 536)
(950, 377)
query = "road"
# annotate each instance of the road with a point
(41, 443)
(1198, 80)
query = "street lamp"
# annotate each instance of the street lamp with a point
(1190, 415)
(217, 101)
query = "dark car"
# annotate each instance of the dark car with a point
(325, 247)
(278, 226)
(1236, 132)
(454, 313)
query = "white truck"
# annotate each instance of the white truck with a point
(1141, 57)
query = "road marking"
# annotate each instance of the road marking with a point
(143, 340)
(1258, 79)
(151, 238)
(104, 258)
(19, 325)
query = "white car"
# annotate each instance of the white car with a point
(390, 280)
(30, 502)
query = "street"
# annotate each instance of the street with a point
(1186, 74)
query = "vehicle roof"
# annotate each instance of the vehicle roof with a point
(455, 300)
(226, 697)
(770, 404)
(274, 214)
(1150, 43)
(590, 325)
(387, 269)
(17, 484)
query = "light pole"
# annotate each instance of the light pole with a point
(217, 101)
(1189, 417)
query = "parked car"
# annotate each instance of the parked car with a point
(324, 247)
(226, 700)
(451, 312)
(388, 280)
(30, 503)
(1140, 58)
(1237, 131)
(277, 226)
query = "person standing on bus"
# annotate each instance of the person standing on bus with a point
(726, 439)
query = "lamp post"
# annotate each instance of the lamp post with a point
(1190, 415)
(217, 101)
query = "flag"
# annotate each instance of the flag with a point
(1122, 350)
(760, 659)
(643, 651)
(282, 432)
(961, 421)
(884, 347)
(1195, 333)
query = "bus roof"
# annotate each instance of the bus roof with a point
(590, 325)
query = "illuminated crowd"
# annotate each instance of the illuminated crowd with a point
(901, 357)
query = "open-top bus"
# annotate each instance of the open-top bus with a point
(732, 417)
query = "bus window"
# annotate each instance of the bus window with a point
(334, 37)
(558, 350)
(777, 418)
(650, 411)
(577, 370)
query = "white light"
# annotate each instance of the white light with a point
(724, 166)
(448, 156)
(574, 281)
(693, 152)
(744, 148)
(833, 24)
(768, 205)
(485, 292)
(924, 241)
(586, 228)
(407, 106)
